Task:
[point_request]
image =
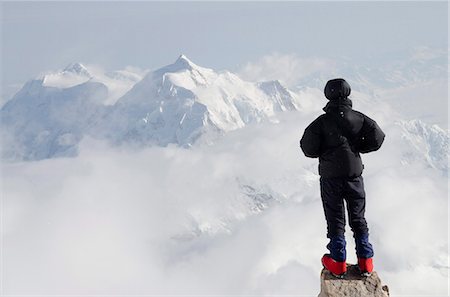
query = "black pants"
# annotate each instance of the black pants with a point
(334, 191)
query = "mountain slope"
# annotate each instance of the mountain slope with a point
(427, 144)
(46, 121)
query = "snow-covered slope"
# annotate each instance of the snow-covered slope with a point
(182, 101)
(42, 121)
(177, 104)
(428, 144)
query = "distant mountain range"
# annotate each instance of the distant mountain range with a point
(176, 104)
(183, 104)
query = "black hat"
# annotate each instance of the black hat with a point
(337, 88)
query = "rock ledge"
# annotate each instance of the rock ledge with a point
(352, 285)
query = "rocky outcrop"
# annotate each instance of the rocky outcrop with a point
(352, 285)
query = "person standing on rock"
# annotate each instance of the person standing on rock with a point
(337, 138)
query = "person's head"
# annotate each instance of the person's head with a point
(337, 88)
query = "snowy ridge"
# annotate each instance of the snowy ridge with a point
(117, 82)
(428, 143)
(74, 74)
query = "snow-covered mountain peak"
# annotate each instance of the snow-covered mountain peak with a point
(182, 64)
(184, 61)
(74, 74)
(78, 69)
(117, 82)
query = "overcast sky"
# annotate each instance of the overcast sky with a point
(41, 36)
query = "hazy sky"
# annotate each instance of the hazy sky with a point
(40, 36)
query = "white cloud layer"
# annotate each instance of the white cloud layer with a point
(243, 216)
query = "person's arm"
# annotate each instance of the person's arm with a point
(371, 137)
(310, 142)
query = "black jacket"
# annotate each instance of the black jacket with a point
(338, 137)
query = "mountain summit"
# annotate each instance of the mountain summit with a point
(74, 74)
(184, 62)
(179, 103)
(77, 68)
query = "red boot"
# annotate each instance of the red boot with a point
(337, 269)
(365, 265)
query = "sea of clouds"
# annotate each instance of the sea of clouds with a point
(240, 217)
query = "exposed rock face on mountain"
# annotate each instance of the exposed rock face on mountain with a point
(352, 285)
